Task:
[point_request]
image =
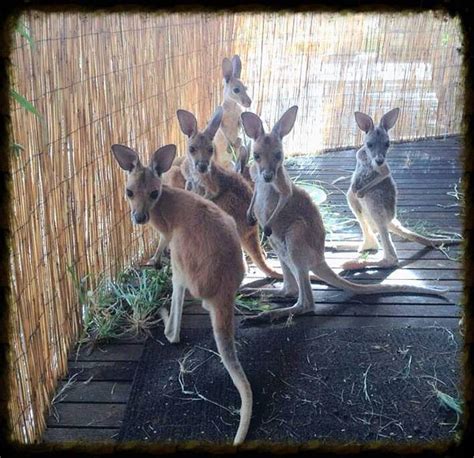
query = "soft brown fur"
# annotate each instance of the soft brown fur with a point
(228, 189)
(205, 256)
(231, 192)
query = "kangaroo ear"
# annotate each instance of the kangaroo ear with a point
(227, 69)
(162, 159)
(214, 122)
(126, 157)
(252, 124)
(236, 66)
(286, 122)
(364, 121)
(187, 122)
(389, 119)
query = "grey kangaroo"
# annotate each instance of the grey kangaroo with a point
(205, 256)
(293, 223)
(235, 100)
(372, 195)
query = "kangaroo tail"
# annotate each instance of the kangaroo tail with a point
(329, 276)
(396, 227)
(223, 327)
(252, 247)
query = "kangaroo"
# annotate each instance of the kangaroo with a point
(235, 100)
(226, 188)
(294, 225)
(241, 166)
(174, 176)
(205, 256)
(372, 195)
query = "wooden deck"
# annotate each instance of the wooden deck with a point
(428, 175)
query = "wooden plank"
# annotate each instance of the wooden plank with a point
(118, 352)
(410, 277)
(325, 322)
(427, 257)
(95, 391)
(442, 199)
(403, 181)
(386, 310)
(452, 285)
(402, 245)
(407, 264)
(338, 298)
(403, 178)
(360, 305)
(101, 371)
(87, 415)
(61, 435)
(420, 253)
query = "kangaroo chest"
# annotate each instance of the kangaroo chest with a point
(265, 201)
(230, 124)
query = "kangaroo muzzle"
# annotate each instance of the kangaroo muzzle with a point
(379, 161)
(202, 167)
(140, 217)
(246, 102)
(268, 176)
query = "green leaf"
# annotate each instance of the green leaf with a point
(24, 103)
(17, 148)
(22, 29)
(449, 402)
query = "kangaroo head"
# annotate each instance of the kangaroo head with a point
(200, 144)
(143, 188)
(376, 140)
(268, 148)
(234, 89)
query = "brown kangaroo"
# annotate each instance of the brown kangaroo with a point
(294, 225)
(226, 188)
(205, 256)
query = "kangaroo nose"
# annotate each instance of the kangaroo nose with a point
(268, 176)
(202, 168)
(379, 161)
(140, 218)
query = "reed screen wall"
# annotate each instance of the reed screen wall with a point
(119, 78)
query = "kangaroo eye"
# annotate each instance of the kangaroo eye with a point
(278, 155)
(370, 145)
(256, 156)
(192, 149)
(236, 90)
(387, 144)
(129, 193)
(210, 150)
(154, 194)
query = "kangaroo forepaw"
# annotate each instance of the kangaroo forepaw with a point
(251, 220)
(267, 230)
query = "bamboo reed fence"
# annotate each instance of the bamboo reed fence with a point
(99, 79)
